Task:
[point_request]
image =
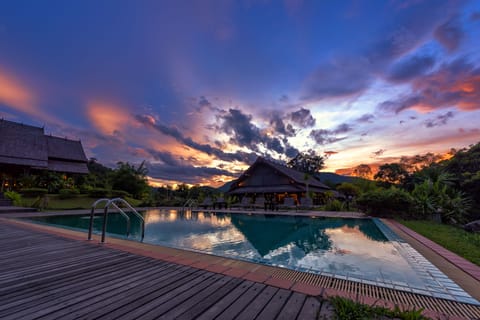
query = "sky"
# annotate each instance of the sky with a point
(198, 89)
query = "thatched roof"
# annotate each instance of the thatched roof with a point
(295, 180)
(28, 146)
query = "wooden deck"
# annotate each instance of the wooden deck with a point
(44, 276)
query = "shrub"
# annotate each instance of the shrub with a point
(98, 193)
(68, 193)
(14, 196)
(334, 205)
(34, 192)
(387, 202)
(119, 194)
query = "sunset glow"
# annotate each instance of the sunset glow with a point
(365, 83)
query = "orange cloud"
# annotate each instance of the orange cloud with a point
(16, 96)
(108, 118)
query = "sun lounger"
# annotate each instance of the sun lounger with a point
(288, 203)
(259, 203)
(305, 204)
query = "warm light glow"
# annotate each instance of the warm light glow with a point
(108, 118)
(14, 95)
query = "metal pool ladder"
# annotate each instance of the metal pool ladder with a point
(113, 203)
(189, 204)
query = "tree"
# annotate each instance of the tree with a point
(363, 171)
(392, 173)
(130, 179)
(308, 163)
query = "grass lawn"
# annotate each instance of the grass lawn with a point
(457, 240)
(78, 202)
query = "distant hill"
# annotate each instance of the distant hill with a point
(226, 186)
(330, 178)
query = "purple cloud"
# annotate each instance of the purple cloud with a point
(454, 84)
(450, 34)
(410, 68)
(440, 120)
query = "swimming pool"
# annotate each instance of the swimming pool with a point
(362, 250)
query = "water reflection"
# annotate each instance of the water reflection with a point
(353, 247)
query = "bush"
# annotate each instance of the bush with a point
(334, 205)
(120, 194)
(390, 202)
(14, 196)
(98, 193)
(68, 193)
(34, 192)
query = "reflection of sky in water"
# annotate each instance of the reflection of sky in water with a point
(346, 247)
(349, 247)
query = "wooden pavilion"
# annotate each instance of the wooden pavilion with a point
(25, 148)
(275, 182)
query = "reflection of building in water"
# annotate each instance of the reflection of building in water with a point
(267, 234)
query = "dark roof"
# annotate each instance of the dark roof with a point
(66, 166)
(61, 148)
(26, 145)
(297, 177)
(22, 144)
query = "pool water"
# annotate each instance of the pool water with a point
(362, 250)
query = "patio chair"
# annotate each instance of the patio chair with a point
(207, 202)
(305, 203)
(288, 203)
(259, 203)
(219, 203)
(246, 203)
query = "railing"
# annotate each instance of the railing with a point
(189, 204)
(112, 202)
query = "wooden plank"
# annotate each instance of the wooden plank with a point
(242, 302)
(125, 298)
(292, 307)
(274, 306)
(225, 302)
(145, 303)
(202, 301)
(87, 301)
(57, 274)
(171, 300)
(310, 309)
(258, 304)
(43, 294)
(74, 297)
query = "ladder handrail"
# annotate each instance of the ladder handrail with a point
(190, 202)
(109, 203)
(92, 213)
(135, 212)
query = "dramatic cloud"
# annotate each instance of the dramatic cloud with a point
(378, 153)
(410, 68)
(303, 118)
(324, 137)
(242, 132)
(454, 84)
(279, 126)
(206, 148)
(366, 118)
(440, 120)
(173, 169)
(340, 78)
(450, 34)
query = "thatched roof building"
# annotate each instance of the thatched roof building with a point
(268, 177)
(24, 147)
